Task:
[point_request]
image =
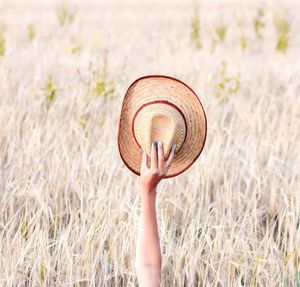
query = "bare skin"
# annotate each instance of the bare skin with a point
(148, 255)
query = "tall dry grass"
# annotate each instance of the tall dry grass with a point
(68, 205)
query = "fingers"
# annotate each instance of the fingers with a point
(153, 164)
(157, 157)
(171, 156)
(160, 155)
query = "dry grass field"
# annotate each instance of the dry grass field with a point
(68, 205)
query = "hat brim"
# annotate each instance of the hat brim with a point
(156, 88)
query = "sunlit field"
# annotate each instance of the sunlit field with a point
(69, 207)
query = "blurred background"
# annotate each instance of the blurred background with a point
(69, 206)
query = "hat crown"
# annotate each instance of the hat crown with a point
(159, 121)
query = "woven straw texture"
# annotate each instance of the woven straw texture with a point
(156, 88)
(160, 122)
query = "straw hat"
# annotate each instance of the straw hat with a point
(157, 107)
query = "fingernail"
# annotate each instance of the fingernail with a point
(174, 147)
(154, 143)
(142, 150)
(160, 143)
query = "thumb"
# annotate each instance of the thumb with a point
(144, 159)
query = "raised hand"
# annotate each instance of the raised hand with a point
(151, 175)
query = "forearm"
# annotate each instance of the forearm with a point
(148, 247)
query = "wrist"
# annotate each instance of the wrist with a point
(148, 190)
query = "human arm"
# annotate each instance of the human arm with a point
(148, 256)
